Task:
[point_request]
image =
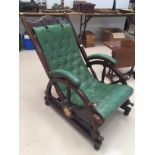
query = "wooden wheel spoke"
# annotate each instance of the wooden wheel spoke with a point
(59, 91)
(93, 72)
(103, 74)
(111, 74)
(64, 97)
(68, 92)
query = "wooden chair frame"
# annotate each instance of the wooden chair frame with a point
(86, 118)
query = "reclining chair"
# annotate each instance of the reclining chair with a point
(83, 99)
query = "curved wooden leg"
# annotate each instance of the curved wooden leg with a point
(48, 93)
(98, 142)
(97, 139)
(110, 75)
(89, 126)
(126, 107)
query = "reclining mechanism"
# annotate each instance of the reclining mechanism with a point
(81, 97)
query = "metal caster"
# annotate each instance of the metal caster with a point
(127, 111)
(47, 103)
(98, 143)
(132, 104)
(96, 147)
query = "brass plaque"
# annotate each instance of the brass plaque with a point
(67, 112)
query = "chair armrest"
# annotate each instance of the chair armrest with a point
(67, 75)
(102, 57)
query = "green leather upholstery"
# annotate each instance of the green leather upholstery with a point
(67, 75)
(62, 53)
(102, 57)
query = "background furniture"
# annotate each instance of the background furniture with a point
(88, 39)
(123, 51)
(110, 34)
(82, 19)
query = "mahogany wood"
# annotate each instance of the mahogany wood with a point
(123, 51)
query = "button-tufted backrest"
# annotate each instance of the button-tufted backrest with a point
(60, 49)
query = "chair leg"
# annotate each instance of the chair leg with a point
(126, 107)
(97, 139)
(98, 142)
(48, 93)
(127, 110)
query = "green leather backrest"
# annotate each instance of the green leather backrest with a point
(61, 51)
(60, 48)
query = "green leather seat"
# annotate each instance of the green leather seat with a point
(60, 48)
